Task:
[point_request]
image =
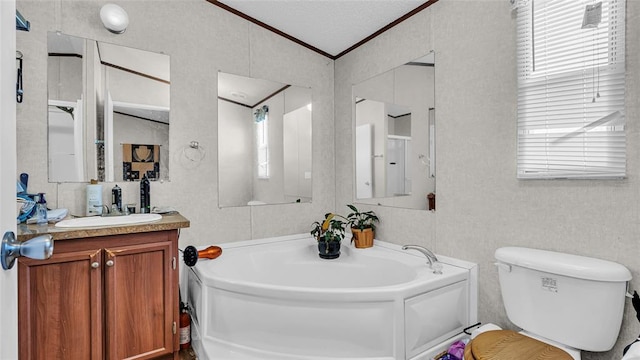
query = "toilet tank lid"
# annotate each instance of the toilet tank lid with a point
(576, 266)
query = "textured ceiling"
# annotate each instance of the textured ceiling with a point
(329, 25)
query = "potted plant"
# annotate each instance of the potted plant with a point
(329, 234)
(363, 226)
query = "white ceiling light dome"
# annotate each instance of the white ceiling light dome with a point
(114, 18)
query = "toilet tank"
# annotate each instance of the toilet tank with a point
(574, 300)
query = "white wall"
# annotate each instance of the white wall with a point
(62, 156)
(65, 78)
(400, 125)
(296, 141)
(419, 98)
(201, 40)
(235, 154)
(298, 108)
(480, 204)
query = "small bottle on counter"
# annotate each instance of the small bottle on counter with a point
(41, 210)
(116, 199)
(94, 198)
(145, 196)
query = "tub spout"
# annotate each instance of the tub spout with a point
(432, 260)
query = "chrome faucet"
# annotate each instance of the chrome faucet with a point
(114, 211)
(432, 260)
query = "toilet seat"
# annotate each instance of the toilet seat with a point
(510, 345)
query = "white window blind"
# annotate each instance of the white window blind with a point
(571, 88)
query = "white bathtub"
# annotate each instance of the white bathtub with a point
(276, 299)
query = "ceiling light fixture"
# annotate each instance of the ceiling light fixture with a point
(114, 18)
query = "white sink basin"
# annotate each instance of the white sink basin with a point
(108, 220)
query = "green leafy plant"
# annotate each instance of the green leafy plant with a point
(331, 229)
(362, 220)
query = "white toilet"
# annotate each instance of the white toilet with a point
(567, 302)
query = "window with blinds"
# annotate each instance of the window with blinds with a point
(571, 88)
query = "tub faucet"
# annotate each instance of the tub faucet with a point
(432, 260)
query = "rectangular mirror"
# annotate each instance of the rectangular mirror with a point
(264, 142)
(108, 111)
(395, 136)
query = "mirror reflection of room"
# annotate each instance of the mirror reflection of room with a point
(395, 136)
(108, 111)
(264, 147)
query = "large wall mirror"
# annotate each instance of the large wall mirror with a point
(264, 142)
(108, 111)
(395, 136)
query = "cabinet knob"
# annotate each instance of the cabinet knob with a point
(95, 265)
(110, 263)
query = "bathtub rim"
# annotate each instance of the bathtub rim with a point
(345, 243)
(462, 270)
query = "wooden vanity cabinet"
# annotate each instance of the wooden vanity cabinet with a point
(109, 297)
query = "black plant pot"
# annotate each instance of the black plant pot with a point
(329, 250)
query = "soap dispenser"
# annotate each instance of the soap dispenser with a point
(41, 210)
(94, 198)
(145, 197)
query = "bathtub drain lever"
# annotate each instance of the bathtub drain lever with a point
(190, 255)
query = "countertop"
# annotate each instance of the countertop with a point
(168, 222)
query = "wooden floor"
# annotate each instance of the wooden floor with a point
(187, 354)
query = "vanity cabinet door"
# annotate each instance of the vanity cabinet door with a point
(139, 301)
(60, 306)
